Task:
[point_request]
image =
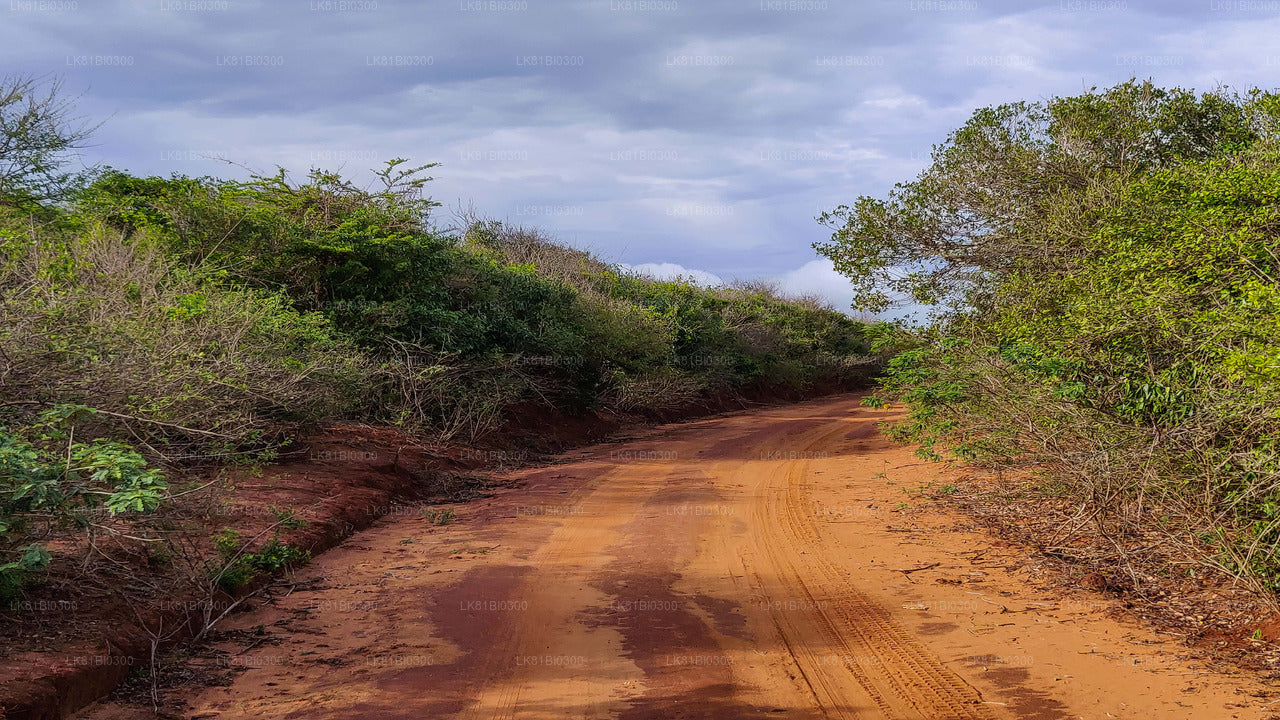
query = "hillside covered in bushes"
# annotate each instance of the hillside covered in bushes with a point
(153, 322)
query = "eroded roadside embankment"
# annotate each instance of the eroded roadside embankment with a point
(753, 565)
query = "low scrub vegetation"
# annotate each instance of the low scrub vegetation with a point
(1105, 268)
(148, 323)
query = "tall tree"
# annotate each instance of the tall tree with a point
(1024, 183)
(38, 136)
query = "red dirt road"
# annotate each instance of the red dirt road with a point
(746, 566)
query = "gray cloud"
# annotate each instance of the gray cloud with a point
(706, 135)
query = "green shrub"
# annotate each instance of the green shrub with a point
(239, 567)
(50, 480)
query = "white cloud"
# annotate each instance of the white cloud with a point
(818, 277)
(671, 271)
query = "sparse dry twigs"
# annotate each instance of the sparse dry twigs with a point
(182, 367)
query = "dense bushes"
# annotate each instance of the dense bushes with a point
(92, 317)
(223, 315)
(484, 318)
(1115, 324)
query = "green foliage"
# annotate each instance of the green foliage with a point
(182, 360)
(31, 559)
(449, 331)
(240, 567)
(1024, 184)
(58, 476)
(275, 555)
(1111, 263)
(439, 517)
(49, 479)
(288, 518)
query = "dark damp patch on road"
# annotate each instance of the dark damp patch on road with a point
(666, 633)
(863, 430)
(937, 628)
(425, 683)
(472, 627)
(865, 437)
(460, 614)
(687, 674)
(1026, 703)
(726, 615)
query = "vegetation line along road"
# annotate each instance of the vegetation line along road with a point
(197, 321)
(164, 339)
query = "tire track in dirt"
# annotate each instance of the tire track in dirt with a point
(854, 661)
(889, 668)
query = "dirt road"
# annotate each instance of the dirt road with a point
(762, 565)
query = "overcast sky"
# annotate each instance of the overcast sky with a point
(676, 135)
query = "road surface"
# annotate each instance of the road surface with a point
(769, 564)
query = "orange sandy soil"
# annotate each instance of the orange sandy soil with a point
(747, 566)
